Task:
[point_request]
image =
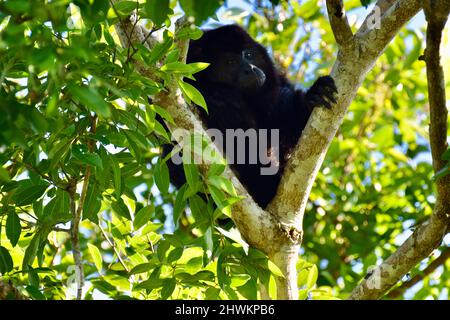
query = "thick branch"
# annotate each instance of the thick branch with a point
(9, 292)
(429, 235)
(436, 13)
(257, 226)
(439, 261)
(338, 21)
(418, 246)
(352, 64)
(378, 10)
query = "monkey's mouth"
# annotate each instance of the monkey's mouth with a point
(260, 77)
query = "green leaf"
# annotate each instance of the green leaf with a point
(13, 227)
(177, 67)
(124, 8)
(446, 155)
(117, 176)
(384, 137)
(109, 39)
(218, 196)
(35, 293)
(121, 209)
(173, 55)
(234, 235)
(223, 184)
(193, 94)
(174, 240)
(274, 269)
(238, 280)
(137, 138)
(143, 216)
(168, 288)
(198, 66)
(4, 175)
(58, 209)
(32, 249)
(149, 284)
(59, 152)
(179, 205)
(201, 10)
(189, 32)
(198, 208)
(192, 175)
(158, 10)
(174, 255)
(89, 97)
(37, 208)
(27, 194)
(163, 113)
(442, 173)
(182, 68)
(163, 246)
(6, 262)
(96, 256)
(33, 278)
(162, 178)
(88, 158)
(160, 50)
(308, 275)
(92, 203)
(143, 267)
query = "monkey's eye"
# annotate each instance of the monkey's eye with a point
(247, 54)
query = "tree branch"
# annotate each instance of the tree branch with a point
(352, 64)
(338, 21)
(258, 227)
(77, 215)
(429, 235)
(378, 10)
(114, 247)
(439, 261)
(278, 230)
(9, 292)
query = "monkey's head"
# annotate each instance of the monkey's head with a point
(235, 59)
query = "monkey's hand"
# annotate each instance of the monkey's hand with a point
(321, 93)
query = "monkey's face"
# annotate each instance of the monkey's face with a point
(242, 69)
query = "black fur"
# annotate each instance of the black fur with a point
(275, 105)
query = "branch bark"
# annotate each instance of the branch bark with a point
(77, 215)
(439, 261)
(429, 235)
(9, 292)
(338, 21)
(258, 227)
(354, 60)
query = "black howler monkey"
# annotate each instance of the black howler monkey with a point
(243, 90)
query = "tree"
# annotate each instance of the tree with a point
(86, 202)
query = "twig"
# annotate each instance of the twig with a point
(338, 21)
(54, 228)
(77, 214)
(114, 247)
(149, 34)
